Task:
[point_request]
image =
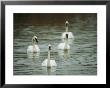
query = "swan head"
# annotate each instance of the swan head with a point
(66, 23)
(49, 46)
(66, 36)
(34, 39)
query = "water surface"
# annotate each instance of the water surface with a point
(81, 59)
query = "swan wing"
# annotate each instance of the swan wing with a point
(37, 48)
(52, 63)
(70, 35)
(44, 63)
(62, 46)
(31, 50)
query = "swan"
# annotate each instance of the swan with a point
(70, 34)
(64, 45)
(34, 48)
(47, 62)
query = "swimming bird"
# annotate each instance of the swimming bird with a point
(34, 48)
(64, 45)
(70, 34)
(47, 62)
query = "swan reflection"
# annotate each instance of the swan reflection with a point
(64, 54)
(33, 56)
(49, 70)
(70, 41)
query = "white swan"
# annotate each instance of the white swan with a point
(70, 34)
(34, 48)
(47, 62)
(64, 45)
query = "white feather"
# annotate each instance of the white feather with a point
(70, 35)
(62, 46)
(52, 63)
(32, 49)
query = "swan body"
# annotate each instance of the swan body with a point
(52, 63)
(70, 41)
(70, 34)
(61, 46)
(47, 62)
(34, 48)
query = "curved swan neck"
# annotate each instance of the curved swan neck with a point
(66, 41)
(66, 24)
(34, 40)
(33, 44)
(48, 62)
(66, 28)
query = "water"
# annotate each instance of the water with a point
(81, 59)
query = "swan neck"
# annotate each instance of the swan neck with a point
(66, 28)
(33, 46)
(48, 62)
(65, 47)
(33, 42)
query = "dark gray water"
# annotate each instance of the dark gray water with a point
(81, 59)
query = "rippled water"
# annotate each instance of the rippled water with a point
(81, 59)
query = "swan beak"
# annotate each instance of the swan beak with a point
(36, 40)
